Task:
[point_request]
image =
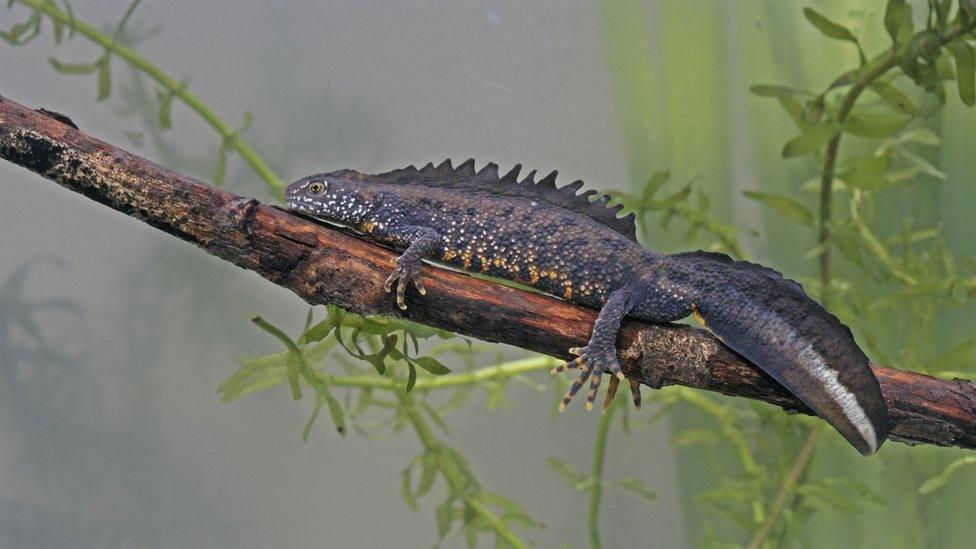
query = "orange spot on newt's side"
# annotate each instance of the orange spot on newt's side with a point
(697, 314)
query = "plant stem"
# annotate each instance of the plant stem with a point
(498, 372)
(796, 470)
(455, 479)
(887, 61)
(596, 474)
(171, 85)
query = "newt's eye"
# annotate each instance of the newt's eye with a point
(316, 187)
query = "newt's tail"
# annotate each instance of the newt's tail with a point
(770, 320)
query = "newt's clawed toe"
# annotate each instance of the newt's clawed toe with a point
(592, 363)
(404, 272)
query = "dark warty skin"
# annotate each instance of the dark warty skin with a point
(560, 242)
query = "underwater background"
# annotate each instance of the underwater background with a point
(115, 337)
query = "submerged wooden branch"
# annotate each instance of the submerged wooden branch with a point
(325, 265)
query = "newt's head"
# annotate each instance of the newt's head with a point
(338, 196)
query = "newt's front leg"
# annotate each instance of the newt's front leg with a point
(600, 354)
(423, 243)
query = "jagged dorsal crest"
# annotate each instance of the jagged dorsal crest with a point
(487, 180)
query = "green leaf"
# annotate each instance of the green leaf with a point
(811, 139)
(789, 207)
(920, 135)
(654, 183)
(104, 78)
(565, 469)
(444, 515)
(294, 355)
(771, 90)
(335, 410)
(898, 22)
(677, 197)
(18, 34)
(221, 169)
(867, 172)
(428, 473)
(165, 100)
(637, 486)
(939, 480)
(895, 97)
(319, 401)
(251, 379)
(433, 366)
(405, 492)
(786, 97)
(73, 68)
(923, 165)
(828, 27)
(321, 330)
(965, 70)
(875, 125)
(411, 376)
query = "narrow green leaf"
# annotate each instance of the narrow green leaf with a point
(565, 469)
(811, 139)
(411, 376)
(895, 97)
(104, 78)
(898, 22)
(379, 326)
(335, 410)
(670, 201)
(444, 516)
(655, 182)
(789, 207)
(73, 68)
(965, 70)
(319, 401)
(433, 366)
(320, 331)
(22, 33)
(637, 486)
(787, 99)
(875, 125)
(771, 90)
(295, 355)
(920, 135)
(165, 100)
(405, 491)
(221, 169)
(923, 165)
(261, 380)
(428, 473)
(828, 27)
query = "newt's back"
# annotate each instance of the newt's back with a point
(531, 232)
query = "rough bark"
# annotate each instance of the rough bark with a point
(325, 265)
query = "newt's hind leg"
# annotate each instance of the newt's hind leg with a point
(600, 354)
